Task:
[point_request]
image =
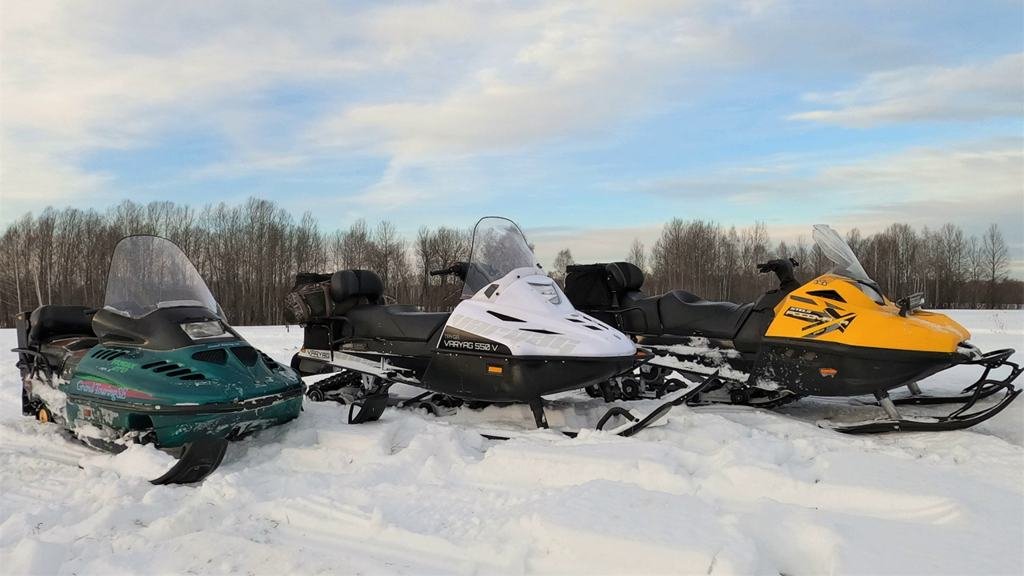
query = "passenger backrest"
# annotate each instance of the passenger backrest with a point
(625, 277)
(352, 287)
(50, 322)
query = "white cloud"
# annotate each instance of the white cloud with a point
(970, 92)
(30, 180)
(416, 84)
(971, 184)
(966, 171)
(429, 88)
(590, 245)
(554, 71)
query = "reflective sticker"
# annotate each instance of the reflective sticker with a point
(313, 353)
(110, 391)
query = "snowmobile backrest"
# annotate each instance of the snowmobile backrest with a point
(625, 277)
(348, 287)
(49, 322)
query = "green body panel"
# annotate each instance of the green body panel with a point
(177, 430)
(179, 394)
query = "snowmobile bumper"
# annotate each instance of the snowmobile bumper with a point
(261, 413)
(961, 417)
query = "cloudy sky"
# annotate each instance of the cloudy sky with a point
(589, 122)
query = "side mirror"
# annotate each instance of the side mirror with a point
(910, 304)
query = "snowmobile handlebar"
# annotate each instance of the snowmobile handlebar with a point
(783, 268)
(777, 265)
(458, 269)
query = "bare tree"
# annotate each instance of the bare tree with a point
(562, 261)
(637, 254)
(249, 254)
(996, 261)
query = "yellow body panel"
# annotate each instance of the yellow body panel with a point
(860, 321)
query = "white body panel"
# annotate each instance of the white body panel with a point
(532, 323)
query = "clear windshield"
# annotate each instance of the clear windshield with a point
(148, 273)
(499, 247)
(839, 252)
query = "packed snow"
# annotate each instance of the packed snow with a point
(715, 490)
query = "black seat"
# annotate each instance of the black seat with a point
(394, 322)
(678, 312)
(358, 298)
(686, 314)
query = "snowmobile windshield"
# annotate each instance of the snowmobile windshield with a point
(148, 273)
(839, 252)
(499, 247)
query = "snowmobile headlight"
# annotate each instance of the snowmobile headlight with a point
(548, 291)
(200, 330)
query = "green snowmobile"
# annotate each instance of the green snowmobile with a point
(157, 364)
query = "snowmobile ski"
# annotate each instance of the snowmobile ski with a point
(198, 459)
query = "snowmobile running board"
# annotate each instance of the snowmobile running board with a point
(381, 369)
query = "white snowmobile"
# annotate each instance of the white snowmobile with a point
(514, 338)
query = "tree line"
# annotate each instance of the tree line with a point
(952, 269)
(249, 254)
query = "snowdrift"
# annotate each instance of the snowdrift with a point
(716, 490)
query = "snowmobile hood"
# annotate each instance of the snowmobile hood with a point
(527, 312)
(840, 310)
(191, 376)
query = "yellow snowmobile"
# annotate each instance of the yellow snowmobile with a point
(836, 335)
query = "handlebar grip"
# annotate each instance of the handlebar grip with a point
(440, 272)
(779, 264)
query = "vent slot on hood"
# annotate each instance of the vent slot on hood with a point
(246, 355)
(214, 356)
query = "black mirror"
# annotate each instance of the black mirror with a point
(910, 304)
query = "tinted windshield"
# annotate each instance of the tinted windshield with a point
(149, 272)
(839, 252)
(499, 247)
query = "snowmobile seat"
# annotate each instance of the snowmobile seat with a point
(358, 305)
(685, 314)
(394, 322)
(678, 312)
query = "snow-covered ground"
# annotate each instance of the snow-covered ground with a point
(720, 490)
